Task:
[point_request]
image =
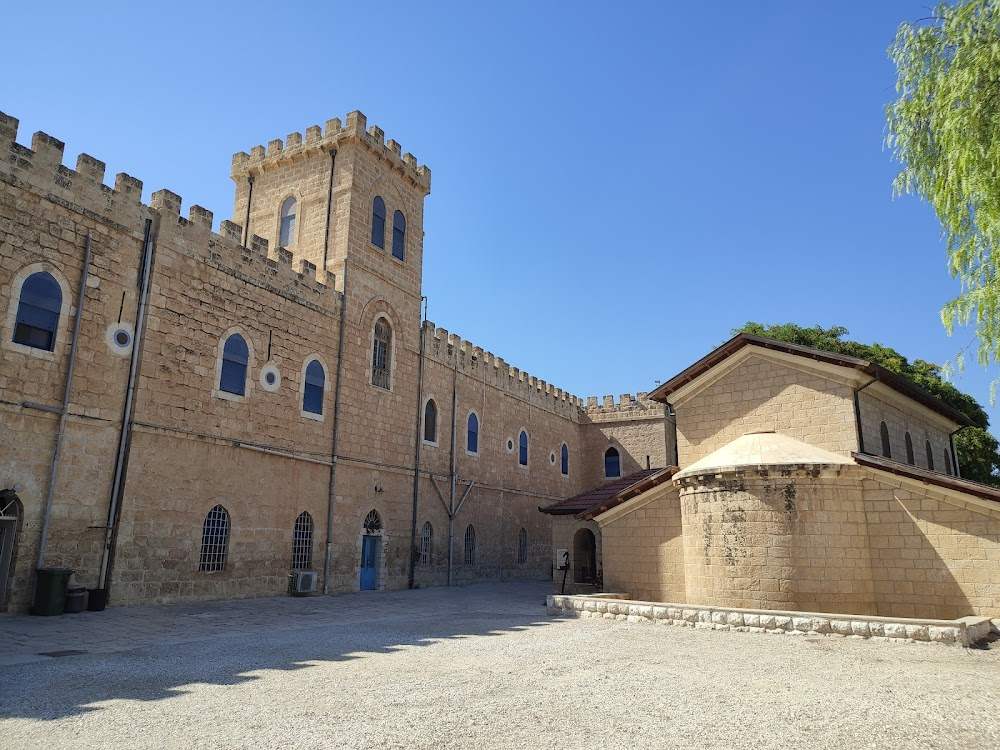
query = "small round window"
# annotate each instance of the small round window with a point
(122, 337)
(552, 459)
(270, 377)
(510, 445)
(118, 336)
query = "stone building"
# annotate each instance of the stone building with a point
(808, 481)
(190, 414)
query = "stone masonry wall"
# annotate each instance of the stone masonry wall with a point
(878, 404)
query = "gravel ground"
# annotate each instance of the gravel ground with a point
(485, 667)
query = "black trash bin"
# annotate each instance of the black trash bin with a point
(74, 599)
(97, 600)
(50, 591)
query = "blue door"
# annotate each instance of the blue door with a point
(369, 562)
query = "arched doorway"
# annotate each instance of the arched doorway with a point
(371, 546)
(584, 556)
(10, 519)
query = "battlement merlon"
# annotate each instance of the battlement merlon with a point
(453, 351)
(332, 137)
(626, 407)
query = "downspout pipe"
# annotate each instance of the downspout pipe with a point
(246, 223)
(64, 410)
(331, 495)
(124, 436)
(329, 207)
(954, 453)
(411, 573)
(857, 415)
(454, 474)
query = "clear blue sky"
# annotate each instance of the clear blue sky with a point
(615, 188)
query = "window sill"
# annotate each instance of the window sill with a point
(227, 396)
(313, 416)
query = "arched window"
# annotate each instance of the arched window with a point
(38, 312)
(398, 236)
(373, 522)
(235, 360)
(947, 461)
(522, 547)
(302, 542)
(286, 232)
(312, 394)
(472, 434)
(612, 463)
(884, 432)
(470, 545)
(522, 448)
(909, 450)
(565, 460)
(378, 222)
(930, 455)
(430, 421)
(381, 354)
(426, 542)
(214, 540)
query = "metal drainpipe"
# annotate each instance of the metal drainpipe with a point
(954, 453)
(857, 415)
(329, 206)
(416, 458)
(124, 436)
(451, 468)
(336, 437)
(246, 224)
(671, 412)
(64, 410)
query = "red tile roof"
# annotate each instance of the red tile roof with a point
(984, 491)
(610, 494)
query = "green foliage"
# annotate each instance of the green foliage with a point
(945, 129)
(978, 451)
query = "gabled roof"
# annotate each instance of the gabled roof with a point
(889, 378)
(984, 491)
(610, 494)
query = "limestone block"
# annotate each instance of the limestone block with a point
(895, 630)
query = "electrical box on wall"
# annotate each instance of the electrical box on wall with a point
(562, 559)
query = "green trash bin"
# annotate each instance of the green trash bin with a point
(50, 591)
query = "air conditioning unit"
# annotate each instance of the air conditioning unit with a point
(304, 581)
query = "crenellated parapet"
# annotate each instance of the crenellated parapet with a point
(454, 352)
(332, 136)
(626, 408)
(83, 190)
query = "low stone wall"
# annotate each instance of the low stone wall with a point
(965, 631)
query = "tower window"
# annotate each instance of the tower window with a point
(565, 460)
(430, 421)
(612, 463)
(378, 222)
(398, 236)
(381, 353)
(286, 232)
(472, 434)
(522, 448)
(38, 312)
(312, 394)
(235, 360)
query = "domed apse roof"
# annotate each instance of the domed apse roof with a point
(762, 450)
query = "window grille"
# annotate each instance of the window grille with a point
(214, 540)
(522, 453)
(612, 463)
(565, 460)
(378, 222)
(398, 236)
(373, 522)
(430, 421)
(472, 441)
(287, 231)
(522, 547)
(38, 312)
(930, 455)
(381, 354)
(235, 359)
(909, 450)
(312, 394)
(470, 546)
(302, 542)
(884, 432)
(426, 539)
